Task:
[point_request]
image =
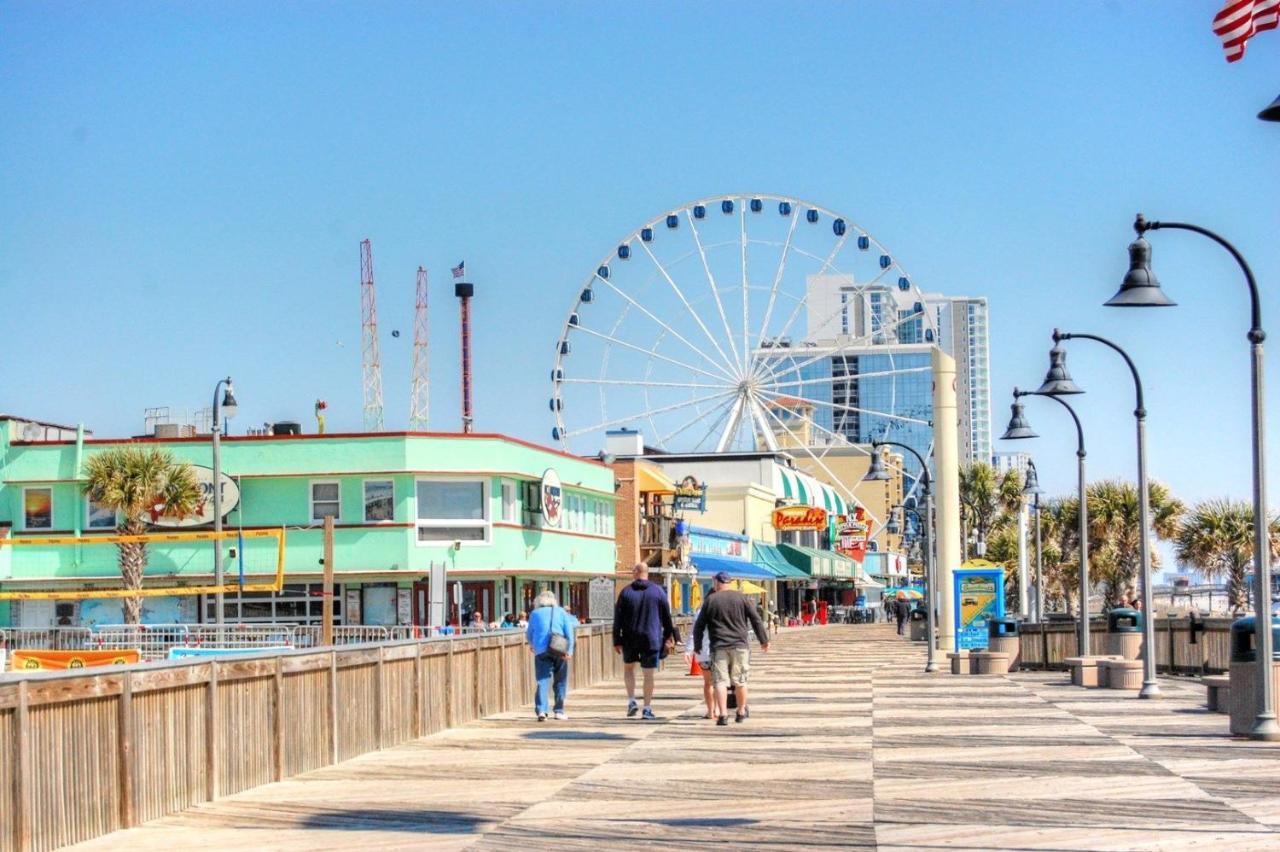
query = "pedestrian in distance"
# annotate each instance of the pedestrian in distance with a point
(726, 615)
(642, 632)
(551, 639)
(900, 610)
(702, 653)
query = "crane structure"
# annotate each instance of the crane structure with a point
(420, 387)
(371, 361)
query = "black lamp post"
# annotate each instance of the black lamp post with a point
(1031, 488)
(1019, 429)
(1150, 687)
(1140, 289)
(224, 406)
(877, 472)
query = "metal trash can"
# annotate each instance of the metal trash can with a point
(919, 624)
(1004, 636)
(1124, 632)
(1243, 672)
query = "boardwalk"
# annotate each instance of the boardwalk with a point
(849, 746)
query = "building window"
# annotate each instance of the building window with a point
(296, 603)
(452, 510)
(37, 508)
(509, 507)
(379, 501)
(97, 517)
(325, 500)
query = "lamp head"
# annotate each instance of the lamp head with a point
(1018, 426)
(876, 472)
(1058, 382)
(228, 405)
(1031, 484)
(1140, 289)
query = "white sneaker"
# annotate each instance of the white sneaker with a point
(562, 716)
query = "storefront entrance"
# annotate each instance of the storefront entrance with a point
(474, 596)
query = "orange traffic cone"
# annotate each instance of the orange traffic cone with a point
(695, 670)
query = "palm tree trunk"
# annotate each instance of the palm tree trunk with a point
(133, 558)
(1237, 588)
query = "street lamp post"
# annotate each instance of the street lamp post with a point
(1019, 428)
(224, 405)
(1150, 687)
(1140, 289)
(1031, 488)
(876, 472)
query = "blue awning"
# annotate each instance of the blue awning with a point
(738, 569)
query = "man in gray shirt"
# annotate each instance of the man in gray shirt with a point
(727, 615)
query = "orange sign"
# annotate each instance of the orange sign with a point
(799, 518)
(35, 660)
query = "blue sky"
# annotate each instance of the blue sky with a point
(184, 188)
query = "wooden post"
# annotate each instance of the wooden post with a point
(379, 716)
(448, 687)
(22, 773)
(1044, 641)
(333, 707)
(211, 762)
(277, 720)
(326, 607)
(477, 656)
(503, 703)
(125, 755)
(417, 690)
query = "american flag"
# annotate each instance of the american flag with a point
(460, 269)
(1240, 20)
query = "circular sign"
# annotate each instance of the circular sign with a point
(552, 498)
(203, 513)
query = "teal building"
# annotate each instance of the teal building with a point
(402, 502)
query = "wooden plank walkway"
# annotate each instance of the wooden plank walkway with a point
(849, 745)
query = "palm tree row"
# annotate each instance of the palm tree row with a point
(1215, 536)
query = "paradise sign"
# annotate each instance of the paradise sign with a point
(799, 518)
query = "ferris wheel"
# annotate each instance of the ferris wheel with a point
(745, 322)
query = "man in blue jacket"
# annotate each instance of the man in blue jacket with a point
(642, 627)
(546, 619)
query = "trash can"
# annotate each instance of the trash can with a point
(1243, 672)
(1124, 632)
(1004, 637)
(919, 624)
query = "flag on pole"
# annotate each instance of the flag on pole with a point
(1240, 20)
(460, 269)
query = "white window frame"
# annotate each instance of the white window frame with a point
(311, 499)
(510, 505)
(48, 488)
(485, 524)
(88, 514)
(364, 499)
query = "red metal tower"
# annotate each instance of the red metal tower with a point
(371, 362)
(464, 292)
(419, 390)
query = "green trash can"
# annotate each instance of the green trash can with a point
(1124, 632)
(1004, 636)
(1243, 672)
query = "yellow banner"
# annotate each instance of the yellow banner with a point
(38, 660)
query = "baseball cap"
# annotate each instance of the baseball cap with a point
(722, 577)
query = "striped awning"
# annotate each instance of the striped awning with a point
(799, 487)
(769, 556)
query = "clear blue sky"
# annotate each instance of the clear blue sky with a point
(183, 188)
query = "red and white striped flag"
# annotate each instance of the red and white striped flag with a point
(1240, 20)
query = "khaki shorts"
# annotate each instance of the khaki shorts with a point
(730, 665)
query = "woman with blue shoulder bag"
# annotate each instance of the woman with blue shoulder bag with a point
(550, 635)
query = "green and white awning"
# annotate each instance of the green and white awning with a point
(800, 488)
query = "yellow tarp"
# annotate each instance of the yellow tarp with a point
(748, 588)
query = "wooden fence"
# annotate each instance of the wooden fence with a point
(1177, 652)
(86, 753)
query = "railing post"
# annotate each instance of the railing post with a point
(211, 762)
(476, 654)
(417, 690)
(125, 755)
(448, 687)
(333, 707)
(503, 702)
(380, 721)
(23, 770)
(277, 718)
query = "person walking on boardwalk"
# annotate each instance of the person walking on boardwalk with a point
(642, 630)
(726, 614)
(900, 610)
(551, 639)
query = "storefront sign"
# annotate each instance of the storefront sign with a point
(552, 498)
(203, 513)
(714, 545)
(690, 494)
(979, 598)
(853, 535)
(799, 518)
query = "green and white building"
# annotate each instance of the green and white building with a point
(401, 502)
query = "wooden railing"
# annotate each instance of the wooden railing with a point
(1047, 645)
(86, 753)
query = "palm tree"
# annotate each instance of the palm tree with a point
(1115, 532)
(139, 484)
(1217, 538)
(988, 498)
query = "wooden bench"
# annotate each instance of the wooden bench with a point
(1218, 688)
